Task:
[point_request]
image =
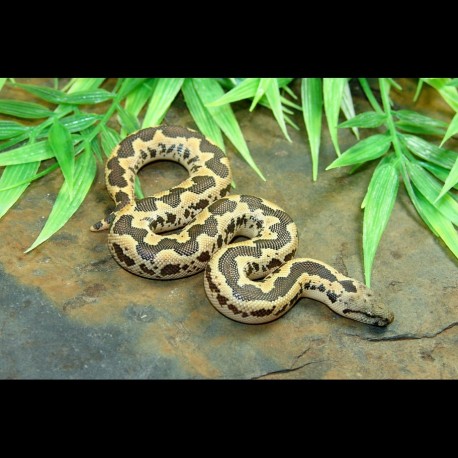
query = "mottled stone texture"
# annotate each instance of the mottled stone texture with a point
(67, 310)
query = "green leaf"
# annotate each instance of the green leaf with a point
(61, 145)
(130, 84)
(451, 130)
(97, 149)
(208, 90)
(370, 95)
(273, 96)
(448, 93)
(164, 94)
(312, 111)
(9, 129)
(438, 171)
(201, 115)
(436, 221)
(291, 122)
(2, 82)
(418, 90)
(428, 151)
(32, 152)
(80, 121)
(264, 84)
(10, 176)
(244, 90)
(332, 96)
(67, 202)
(128, 121)
(289, 103)
(453, 82)
(46, 93)
(430, 188)
(348, 108)
(83, 84)
(21, 109)
(394, 84)
(365, 150)
(137, 99)
(413, 122)
(369, 119)
(89, 97)
(378, 205)
(450, 182)
(110, 139)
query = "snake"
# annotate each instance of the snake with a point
(189, 228)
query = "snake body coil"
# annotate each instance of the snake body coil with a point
(253, 281)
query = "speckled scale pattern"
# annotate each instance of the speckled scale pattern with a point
(253, 281)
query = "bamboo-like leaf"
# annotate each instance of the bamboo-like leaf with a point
(244, 90)
(453, 82)
(332, 97)
(21, 109)
(46, 93)
(394, 84)
(67, 202)
(9, 129)
(209, 90)
(368, 119)
(130, 84)
(289, 103)
(28, 180)
(201, 115)
(164, 94)
(312, 111)
(61, 145)
(450, 182)
(83, 84)
(32, 152)
(365, 150)
(451, 130)
(97, 149)
(428, 151)
(288, 90)
(110, 138)
(416, 123)
(418, 90)
(283, 82)
(370, 95)
(448, 93)
(273, 96)
(348, 108)
(264, 84)
(128, 121)
(439, 172)
(10, 176)
(430, 188)
(291, 122)
(2, 82)
(91, 97)
(436, 221)
(378, 205)
(137, 99)
(80, 121)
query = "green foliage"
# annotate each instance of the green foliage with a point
(64, 131)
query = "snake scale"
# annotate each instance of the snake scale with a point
(253, 281)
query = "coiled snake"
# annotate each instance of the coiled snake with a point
(210, 220)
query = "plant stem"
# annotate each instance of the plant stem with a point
(384, 92)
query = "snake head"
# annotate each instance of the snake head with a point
(365, 306)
